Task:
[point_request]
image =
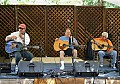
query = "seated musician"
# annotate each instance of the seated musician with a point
(71, 51)
(22, 37)
(107, 52)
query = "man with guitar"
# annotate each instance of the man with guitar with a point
(105, 47)
(70, 50)
(23, 38)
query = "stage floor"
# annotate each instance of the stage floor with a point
(51, 59)
(51, 69)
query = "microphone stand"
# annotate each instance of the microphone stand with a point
(118, 57)
(71, 38)
(69, 23)
(71, 43)
(24, 47)
(40, 49)
(93, 51)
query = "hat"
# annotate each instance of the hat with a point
(22, 26)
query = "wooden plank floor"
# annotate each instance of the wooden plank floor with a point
(56, 60)
(51, 59)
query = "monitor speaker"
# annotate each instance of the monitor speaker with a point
(27, 68)
(86, 68)
(5, 67)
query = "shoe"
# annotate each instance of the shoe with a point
(101, 65)
(62, 68)
(113, 66)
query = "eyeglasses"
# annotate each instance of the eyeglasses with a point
(21, 28)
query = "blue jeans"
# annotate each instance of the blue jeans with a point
(113, 54)
(22, 54)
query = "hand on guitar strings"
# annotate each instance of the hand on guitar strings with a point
(13, 45)
(56, 39)
(13, 37)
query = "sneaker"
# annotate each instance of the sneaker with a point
(62, 68)
(101, 65)
(113, 66)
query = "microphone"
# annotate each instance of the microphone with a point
(68, 22)
(40, 47)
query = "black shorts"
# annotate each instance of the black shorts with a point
(68, 52)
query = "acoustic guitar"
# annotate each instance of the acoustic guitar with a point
(63, 45)
(100, 45)
(12, 46)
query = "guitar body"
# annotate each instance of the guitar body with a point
(10, 49)
(61, 45)
(104, 45)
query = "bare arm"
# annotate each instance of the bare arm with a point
(56, 39)
(10, 38)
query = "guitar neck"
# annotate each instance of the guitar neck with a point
(37, 47)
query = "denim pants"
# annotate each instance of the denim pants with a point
(113, 54)
(22, 54)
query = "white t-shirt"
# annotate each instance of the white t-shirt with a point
(18, 39)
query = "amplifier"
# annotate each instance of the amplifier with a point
(5, 67)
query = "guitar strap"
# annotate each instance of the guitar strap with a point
(107, 41)
(70, 42)
(108, 44)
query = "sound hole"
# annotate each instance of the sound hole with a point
(101, 46)
(62, 47)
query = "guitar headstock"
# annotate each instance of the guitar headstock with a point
(91, 36)
(37, 47)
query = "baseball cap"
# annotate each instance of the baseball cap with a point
(22, 26)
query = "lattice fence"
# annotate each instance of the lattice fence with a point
(34, 18)
(57, 22)
(7, 25)
(45, 23)
(113, 26)
(89, 21)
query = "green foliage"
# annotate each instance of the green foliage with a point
(95, 3)
(5, 2)
(53, 1)
(58, 2)
(90, 2)
(110, 5)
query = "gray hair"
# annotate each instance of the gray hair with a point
(105, 34)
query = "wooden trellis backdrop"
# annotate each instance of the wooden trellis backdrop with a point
(89, 21)
(7, 25)
(45, 23)
(113, 26)
(34, 18)
(57, 22)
